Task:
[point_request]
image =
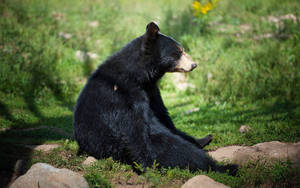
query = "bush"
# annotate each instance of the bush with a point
(32, 62)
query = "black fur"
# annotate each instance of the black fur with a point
(120, 112)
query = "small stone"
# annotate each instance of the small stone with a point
(245, 128)
(83, 56)
(203, 181)
(192, 110)
(185, 86)
(89, 161)
(65, 35)
(93, 24)
(80, 55)
(46, 176)
(92, 55)
(58, 16)
(245, 28)
(289, 17)
(98, 42)
(181, 82)
(209, 76)
(273, 19)
(43, 147)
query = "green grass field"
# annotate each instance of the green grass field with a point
(248, 55)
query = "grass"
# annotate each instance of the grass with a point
(243, 78)
(107, 173)
(223, 120)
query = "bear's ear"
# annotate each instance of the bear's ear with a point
(150, 36)
(152, 29)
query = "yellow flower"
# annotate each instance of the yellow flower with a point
(196, 4)
(207, 7)
(203, 9)
(197, 7)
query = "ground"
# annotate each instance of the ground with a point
(109, 172)
(248, 54)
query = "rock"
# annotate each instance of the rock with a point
(89, 161)
(80, 55)
(44, 147)
(65, 35)
(94, 24)
(225, 154)
(58, 16)
(203, 181)
(271, 150)
(180, 81)
(184, 86)
(191, 111)
(46, 176)
(84, 56)
(245, 128)
(209, 76)
(92, 55)
(244, 28)
(268, 150)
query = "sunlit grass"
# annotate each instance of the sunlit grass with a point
(243, 76)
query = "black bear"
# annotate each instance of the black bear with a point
(120, 112)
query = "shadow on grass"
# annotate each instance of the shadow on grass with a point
(12, 162)
(14, 156)
(277, 122)
(237, 116)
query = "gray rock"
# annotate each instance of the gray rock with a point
(43, 147)
(225, 154)
(46, 176)
(89, 161)
(268, 150)
(203, 181)
(244, 129)
(191, 111)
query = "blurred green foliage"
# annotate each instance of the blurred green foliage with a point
(236, 61)
(243, 54)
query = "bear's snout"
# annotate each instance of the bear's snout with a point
(185, 64)
(194, 66)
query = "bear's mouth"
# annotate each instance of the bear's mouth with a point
(184, 64)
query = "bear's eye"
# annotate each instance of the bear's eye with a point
(176, 55)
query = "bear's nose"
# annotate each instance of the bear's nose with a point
(194, 65)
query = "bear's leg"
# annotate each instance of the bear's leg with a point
(171, 150)
(79, 152)
(204, 141)
(201, 143)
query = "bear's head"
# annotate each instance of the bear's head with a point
(169, 55)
